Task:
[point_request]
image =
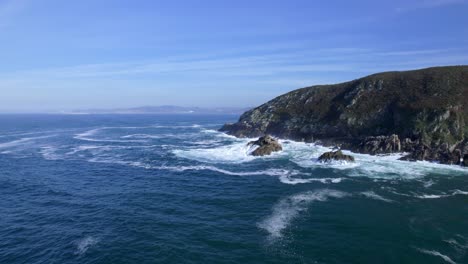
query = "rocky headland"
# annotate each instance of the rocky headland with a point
(423, 113)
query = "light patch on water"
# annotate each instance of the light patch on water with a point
(289, 208)
(21, 142)
(88, 135)
(459, 246)
(268, 172)
(84, 244)
(373, 195)
(49, 153)
(437, 254)
(286, 179)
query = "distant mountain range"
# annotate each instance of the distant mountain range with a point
(165, 109)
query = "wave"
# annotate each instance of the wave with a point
(21, 141)
(268, 172)
(86, 136)
(286, 179)
(457, 245)
(177, 126)
(49, 153)
(437, 254)
(444, 195)
(233, 153)
(84, 244)
(144, 136)
(287, 209)
(306, 155)
(373, 195)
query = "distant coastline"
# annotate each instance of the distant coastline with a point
(166, 109)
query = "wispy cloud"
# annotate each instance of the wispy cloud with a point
(427, 4)
(308, 62)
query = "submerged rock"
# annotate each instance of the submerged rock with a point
(335, 155)
(266, 145)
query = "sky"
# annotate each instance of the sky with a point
(63, 55)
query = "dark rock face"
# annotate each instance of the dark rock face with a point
(335, 155)
(465, 160)
(380, 144)
(414, 111)
(266, 146)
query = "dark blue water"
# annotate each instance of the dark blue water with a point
(170, 189)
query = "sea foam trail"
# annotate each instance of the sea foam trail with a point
(268, 172)
(437, 196)
(287, 209)
(87, 135)
(84, 244)
(373, 195)
(21, 141)
(437, 254)
(286, 179)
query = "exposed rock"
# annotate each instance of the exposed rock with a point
(335, 155)
(266, 146)
(420, 152)
(380, 144)
(423, 112)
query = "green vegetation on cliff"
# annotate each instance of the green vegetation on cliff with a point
(428, 105)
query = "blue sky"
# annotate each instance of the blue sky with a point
(63, 55)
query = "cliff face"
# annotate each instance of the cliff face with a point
(427, 107)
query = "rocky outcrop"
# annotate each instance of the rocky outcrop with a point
(380, 144)
(335, 155)
(423, 112)
(266, 146)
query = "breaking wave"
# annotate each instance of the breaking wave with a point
(289, 208)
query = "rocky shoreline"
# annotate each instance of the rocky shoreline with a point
(423, 113)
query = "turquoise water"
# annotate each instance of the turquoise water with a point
(170, 189)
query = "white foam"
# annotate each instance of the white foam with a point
(21, 141)
(306, 154)
(287, 179)
(234, 153)
(289, 208)
(84, 244)
(49, 153)
(437, 196)
(437, 254)
(268, 172)
(142, 136)
(373, 195)
(87, 135)
(428, 183)
(457, 245)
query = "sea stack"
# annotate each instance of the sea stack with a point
(335, 155)
(266, 145)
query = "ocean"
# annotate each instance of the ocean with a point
(171, 189)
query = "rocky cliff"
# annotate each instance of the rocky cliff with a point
(423, 112)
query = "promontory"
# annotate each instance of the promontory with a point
(421, 112)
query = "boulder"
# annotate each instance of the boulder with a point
(465, 160)
(335, 155)
(380, 144)
(266, 145)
